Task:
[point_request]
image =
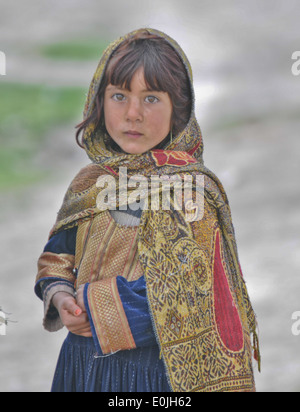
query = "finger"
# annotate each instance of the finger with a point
(83, 329)
(87, 335)
(72, 307)
(76, 323)
(80, 299)
(78, 312)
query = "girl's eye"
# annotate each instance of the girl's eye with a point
(118, 97)
(151, 99)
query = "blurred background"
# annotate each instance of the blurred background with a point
(248, 103)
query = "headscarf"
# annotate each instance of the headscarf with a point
(197, 297)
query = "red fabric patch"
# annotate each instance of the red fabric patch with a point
(172, 158)
(192, 151)
(227, 316)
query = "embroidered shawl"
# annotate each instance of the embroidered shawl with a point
(197, 297)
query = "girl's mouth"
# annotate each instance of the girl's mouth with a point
(133, 134)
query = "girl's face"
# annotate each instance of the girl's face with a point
(137, 120)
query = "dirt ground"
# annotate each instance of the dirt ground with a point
(248, 107)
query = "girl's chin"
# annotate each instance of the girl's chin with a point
(136, 147)
(133, 148)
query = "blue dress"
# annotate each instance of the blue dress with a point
(80, 369)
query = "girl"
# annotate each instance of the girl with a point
(153, 300)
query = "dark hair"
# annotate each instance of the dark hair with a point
(163, 70)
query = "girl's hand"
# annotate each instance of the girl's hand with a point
(79, 298)
(72, 314)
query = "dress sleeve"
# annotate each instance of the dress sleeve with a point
(55, 274)
(134, 299)
(119, 314)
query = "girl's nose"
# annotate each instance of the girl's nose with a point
(134, 111)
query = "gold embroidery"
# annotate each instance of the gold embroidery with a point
(109, 319)
(110, 250)
(51, 265)
(104, 251)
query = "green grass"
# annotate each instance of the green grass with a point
(27, 114)
(89, 49)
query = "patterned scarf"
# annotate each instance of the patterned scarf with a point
(201, 312)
